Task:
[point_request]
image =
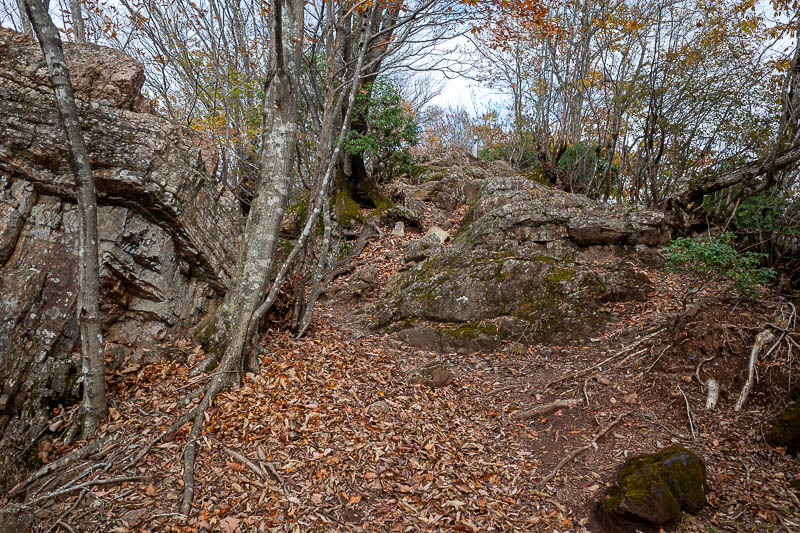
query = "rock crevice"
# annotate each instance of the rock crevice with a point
(169, 231)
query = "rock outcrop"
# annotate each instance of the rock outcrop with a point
(528, 263)
(169, 231)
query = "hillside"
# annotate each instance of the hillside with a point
(334, 434)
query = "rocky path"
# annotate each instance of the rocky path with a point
(332, 435)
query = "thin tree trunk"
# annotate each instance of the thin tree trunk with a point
(88, 308)
(23, 17)
(77, 21)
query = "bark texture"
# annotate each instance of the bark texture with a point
(95, 405)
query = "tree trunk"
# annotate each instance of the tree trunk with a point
(226, 331)
(686, 206)
(23, 17)
(77, 21)
(88, 308)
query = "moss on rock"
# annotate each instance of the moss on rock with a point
(346, 208)
(657, 487)
(785, 429)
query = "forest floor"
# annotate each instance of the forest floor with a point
(328, 436)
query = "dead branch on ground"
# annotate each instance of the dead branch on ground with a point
(542, 410)
(580, 450)
(712, 386)
(585, 371)
(761, 339)
(689, 413)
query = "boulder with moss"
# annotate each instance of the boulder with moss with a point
(656, 488)
(785, 430)
(528, 263)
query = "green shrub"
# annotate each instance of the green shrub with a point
(714, 258)
(391, 129)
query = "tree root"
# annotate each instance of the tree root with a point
(546, 479)
(585, 371)
(545, 409)
(346, 265)
(170, 430)
(63, 462)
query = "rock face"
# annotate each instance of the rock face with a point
(528, 263)
(656, 487)
(169, 231)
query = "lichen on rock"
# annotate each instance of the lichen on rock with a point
(522, 266)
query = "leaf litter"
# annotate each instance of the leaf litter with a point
(329, 436)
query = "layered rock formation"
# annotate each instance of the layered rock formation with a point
(169, 231)
(529, 263)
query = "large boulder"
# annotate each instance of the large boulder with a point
(169, 231)
(655, 488)
(528, 263)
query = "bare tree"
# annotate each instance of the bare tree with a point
(94, 407)
(263, 223)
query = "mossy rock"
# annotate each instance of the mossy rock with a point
(655, 488)
(346, 208)
(786, 428)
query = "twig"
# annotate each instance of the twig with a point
(581, 373)
(545, 409)
(580, 450)
(252, 466)
(82, 486)
(66, 526)
(761, 339)
(619, 365)
(688, 413)
(543, 495)
(500, 390)
(649, 368)
(244, 460)
(747, 472)
(700, 365)
(586, 394)
(662, 426)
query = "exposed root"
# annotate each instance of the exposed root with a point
(62, 463)
(546, 479)
(348, 264)
(170, 430)
(585, 371)
(545, 409)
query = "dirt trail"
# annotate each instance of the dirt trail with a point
(353, 447)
